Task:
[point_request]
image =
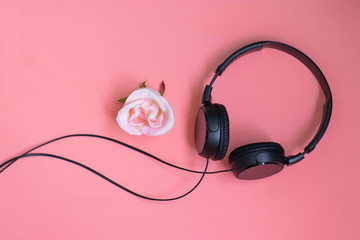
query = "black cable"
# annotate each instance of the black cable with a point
(123, 144)
(28, 153)
(104, 177)
(8, 163)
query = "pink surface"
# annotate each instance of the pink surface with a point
(64, 64)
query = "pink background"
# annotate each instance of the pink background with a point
(64, 64)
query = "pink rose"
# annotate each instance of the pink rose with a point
(146, 112)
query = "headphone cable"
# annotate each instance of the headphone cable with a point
(8, 163)
(108, 179)
(117, 142)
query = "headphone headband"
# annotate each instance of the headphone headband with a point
(303, 59)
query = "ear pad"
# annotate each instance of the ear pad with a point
(257, 160)
(224, 132)
(212, 131)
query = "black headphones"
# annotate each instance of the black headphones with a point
(256, 160)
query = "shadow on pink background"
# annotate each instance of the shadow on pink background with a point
(64, 65)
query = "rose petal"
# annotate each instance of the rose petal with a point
(169, 120)
(138, 118)
(123, 117)
(156, 122)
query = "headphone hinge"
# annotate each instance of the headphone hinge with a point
(292, 159)
(206, 99)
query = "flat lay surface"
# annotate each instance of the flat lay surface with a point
(65, 64)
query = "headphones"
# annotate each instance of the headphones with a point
(256, 160)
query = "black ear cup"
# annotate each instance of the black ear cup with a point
(257, 160)
(212, 131)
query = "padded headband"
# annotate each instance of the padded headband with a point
(302, 58)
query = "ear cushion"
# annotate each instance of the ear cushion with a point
(224, 132)
(249, 148)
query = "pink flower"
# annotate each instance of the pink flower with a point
(146, 112)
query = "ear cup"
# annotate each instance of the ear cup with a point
(212, 131)
(257, 160)
(224, 132)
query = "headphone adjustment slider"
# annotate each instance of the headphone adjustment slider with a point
(292, 159)
(220, 69)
